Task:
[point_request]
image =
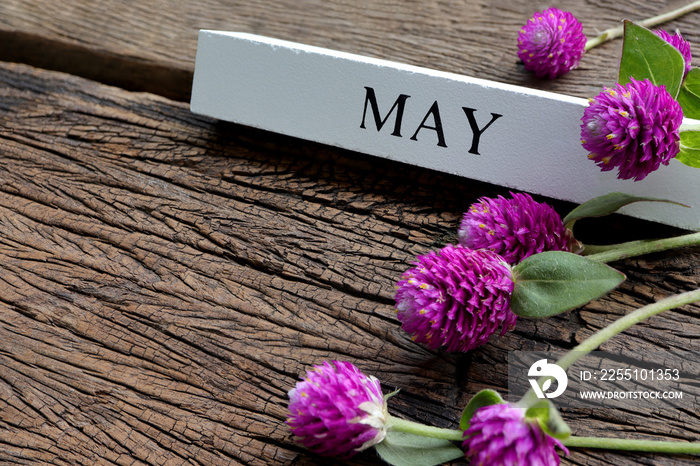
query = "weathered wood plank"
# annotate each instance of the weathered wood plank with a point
(151, 45)
(164, 280)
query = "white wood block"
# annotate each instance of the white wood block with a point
(499, 133)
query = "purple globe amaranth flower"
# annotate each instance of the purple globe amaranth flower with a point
(501, 435)
(337, 411)
(456, 298)
(634, 127)
(551, 43)
(514, 228)
(682, 45)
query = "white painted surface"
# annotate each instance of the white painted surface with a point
(320, 95)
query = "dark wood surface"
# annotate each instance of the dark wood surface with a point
(166, 278)
(151, 45)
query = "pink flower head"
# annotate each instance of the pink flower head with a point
(551, 43)
(632, 127)
(456, 298)
(337, 411)
(514, 228)
(500, 435)
(682, 45)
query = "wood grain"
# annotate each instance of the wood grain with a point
(133, 44)
(166, 278)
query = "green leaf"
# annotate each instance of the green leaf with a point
(483, 398)
(690, 148)
(606, 205)
(646, 55)
(548, 417)
(553, 282)
(404, 449)
(689, 94)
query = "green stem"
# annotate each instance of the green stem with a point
(616, 32)
(658, 446)
(689, 126)
(620, 325)
(410, 427)
(625, 322)
(402, 425)
(591, 249)
(637, 248)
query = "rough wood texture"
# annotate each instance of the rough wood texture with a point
(133, 43)
(165, 278)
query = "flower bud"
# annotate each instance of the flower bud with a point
(500, 434)
(551, 43)
(337, 411)
(514, 228)
(632, 127)
(456, 298)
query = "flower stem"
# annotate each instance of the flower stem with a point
(616, 32)
(689, 126)
(637, 248)
(402, 425)
(410, 427)
(658, 446)
(625, 322)
(620, 325)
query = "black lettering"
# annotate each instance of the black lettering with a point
(435, 112)
(476, 132)
(399, 105)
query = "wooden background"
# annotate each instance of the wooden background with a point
(166, 278)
